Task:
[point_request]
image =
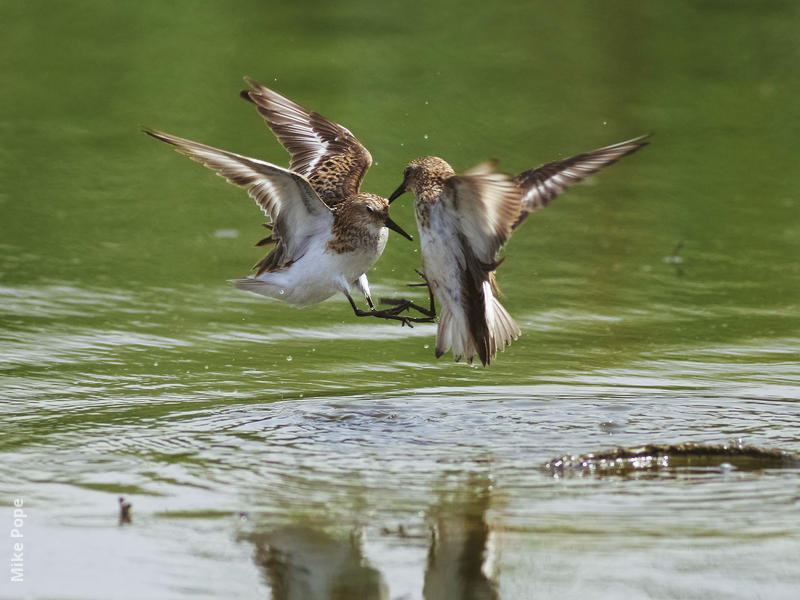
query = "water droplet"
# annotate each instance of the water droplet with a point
(289, 358)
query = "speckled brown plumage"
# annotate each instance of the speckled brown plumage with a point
(427, 175)
(349, 220)
(326, 234)
(337, 178)
(463, 223)
(324, 152)
(327, 154)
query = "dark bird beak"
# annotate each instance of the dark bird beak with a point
(395, 227)
(398, 192)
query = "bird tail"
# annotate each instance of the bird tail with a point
(453, 332)
(257, 286)
(502, 329)
(484, 332)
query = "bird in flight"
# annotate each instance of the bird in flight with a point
(464, 220)
(326, 232)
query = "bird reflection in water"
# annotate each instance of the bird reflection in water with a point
(305, 561)
(462, 553)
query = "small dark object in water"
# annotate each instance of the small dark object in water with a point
(400, 531)
(124, 511)
(656, 457)
(676, 259)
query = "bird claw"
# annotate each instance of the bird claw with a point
(402, 304)
(398, 306)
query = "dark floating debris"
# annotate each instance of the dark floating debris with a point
(124, 511)
(659, 457)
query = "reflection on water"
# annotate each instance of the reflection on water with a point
(419, 491)
(324, 562)
(462, 555)
(301, 563)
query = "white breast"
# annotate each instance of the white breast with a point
(442, 256)
(321, 273)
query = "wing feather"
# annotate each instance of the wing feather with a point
(286, 198)
(326, 153)
(485, 205)
(540, 185)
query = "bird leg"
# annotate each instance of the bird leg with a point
(402, 304)
(389, 313)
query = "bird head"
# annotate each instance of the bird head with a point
(422, 173)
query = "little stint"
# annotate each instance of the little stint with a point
(463, 222)
(326, 232)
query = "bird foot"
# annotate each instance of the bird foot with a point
(402, 304)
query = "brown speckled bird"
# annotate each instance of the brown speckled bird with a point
(326, 232)
(463, 222)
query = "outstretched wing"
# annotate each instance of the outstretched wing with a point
(485, 205)
(325, 153)
(287, 198)
(540, 185)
